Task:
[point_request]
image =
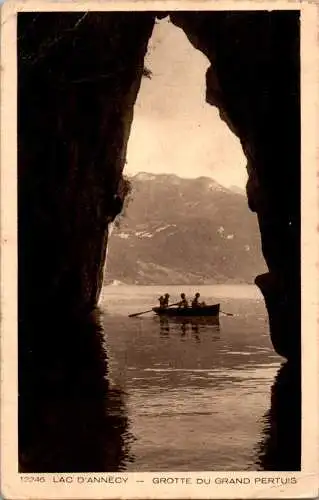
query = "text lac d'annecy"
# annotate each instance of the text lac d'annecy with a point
(90, 479)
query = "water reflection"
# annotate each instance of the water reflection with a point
(280, 449)
(164, 326)
(69, 419)
(184, 326)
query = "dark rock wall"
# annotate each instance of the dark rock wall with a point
(70, 417)
(79, 75)
(254, 81)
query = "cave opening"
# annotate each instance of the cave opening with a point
(181, 150)
(65, 74)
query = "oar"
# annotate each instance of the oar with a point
(227, 314)
(149, 310)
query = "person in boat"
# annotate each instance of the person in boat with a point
(161, 301)
(195, 301)
(183, 303)
(166, 300)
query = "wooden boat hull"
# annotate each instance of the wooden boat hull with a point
(190, 312)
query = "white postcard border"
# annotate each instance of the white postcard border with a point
(13, 485)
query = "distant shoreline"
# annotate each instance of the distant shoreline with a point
(151, 292)
(229, 283)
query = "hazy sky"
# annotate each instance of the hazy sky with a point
(174, 130)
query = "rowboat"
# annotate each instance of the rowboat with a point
(188, 312)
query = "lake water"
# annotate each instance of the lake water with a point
(196, 396)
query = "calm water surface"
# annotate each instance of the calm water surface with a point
(196, 395)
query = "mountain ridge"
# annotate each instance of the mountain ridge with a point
(183, 231)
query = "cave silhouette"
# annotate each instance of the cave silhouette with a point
(72, 66)
(70, 420)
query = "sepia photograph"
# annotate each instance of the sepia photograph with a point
(158, 247)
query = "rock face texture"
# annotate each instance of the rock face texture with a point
(254, 81)
(79, 76)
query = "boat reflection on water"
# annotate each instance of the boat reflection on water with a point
(193, 325)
